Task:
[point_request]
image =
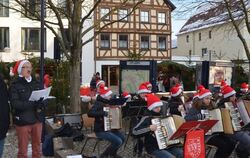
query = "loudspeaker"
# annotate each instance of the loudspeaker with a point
(57, 49)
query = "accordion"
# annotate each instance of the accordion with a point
(228, 122)
(166, 127)
(243, 107)
(114, 118)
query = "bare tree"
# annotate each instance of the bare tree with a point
(65, 19)
(238, 12)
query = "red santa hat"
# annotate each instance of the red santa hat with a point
(223, 84)
(153, 101)
(228, 91)
(105, 92)
(201, 87)
(175, 91)
(244, 87)
(18, 66)
(178, 85)
(204, 93)
(126, 95)
(143, 89)
(148, 84)
(196, 95)
(99, 83)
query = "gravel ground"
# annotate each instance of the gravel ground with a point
(10, 150)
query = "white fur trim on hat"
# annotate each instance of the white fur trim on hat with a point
(107, 94)
(154, 105)
(128, 96)
(99, 82)
(244, 89)
(177, 93)
(143, 91)
(19, 69)
(205, 95)
(229, 94)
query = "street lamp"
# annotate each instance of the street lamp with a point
(42, 45)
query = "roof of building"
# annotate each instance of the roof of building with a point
(171, 4)
(211, 15)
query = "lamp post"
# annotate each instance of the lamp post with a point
(42, 45)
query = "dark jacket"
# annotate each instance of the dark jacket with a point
(25, 112)
(142, 129)
(4, 112)
(97, 112)
(194, 115)
(174, 103)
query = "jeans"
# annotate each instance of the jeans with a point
(169, 153)
(224, 145)
(243, 137)
(23, 133)
(116, 139)
(1, 147)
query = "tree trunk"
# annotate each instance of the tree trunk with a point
(75, 83)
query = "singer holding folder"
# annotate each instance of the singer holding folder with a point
(27, 115)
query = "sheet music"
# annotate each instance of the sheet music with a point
(216, 115)
(36, 95)
(243, 112)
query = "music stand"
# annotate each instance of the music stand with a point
(193, 125)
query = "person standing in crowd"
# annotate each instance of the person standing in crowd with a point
(115, 137)
(47, 81)
(224, 144)
(147, 129)
(27, 115)
(160, 82)
(4, 114)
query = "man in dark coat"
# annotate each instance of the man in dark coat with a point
(4, 113)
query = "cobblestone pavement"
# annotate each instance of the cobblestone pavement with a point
(10, 150)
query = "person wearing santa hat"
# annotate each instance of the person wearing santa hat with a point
(28, 115)
(99, 84)
(115, 137)
(146, 128)
(148, 85)
(243, 136)
(126, 95)
(176, 104)
(199, 111)
(244, 92)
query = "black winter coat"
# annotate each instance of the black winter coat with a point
(25, 112)
(4, 112)
(174, 103)
(142, 129)
(97, 112)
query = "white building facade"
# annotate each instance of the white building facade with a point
(210, 35)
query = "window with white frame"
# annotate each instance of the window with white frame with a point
(4, 38)
(105, 41)
(162, 43)
(161, 18)
(104, 12)
(4, 10)
(123, 13)
(123, 41)
(144, 42)
(31, 39)
(32, 8)
(144, 16)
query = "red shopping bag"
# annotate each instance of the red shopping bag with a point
(194, 144)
